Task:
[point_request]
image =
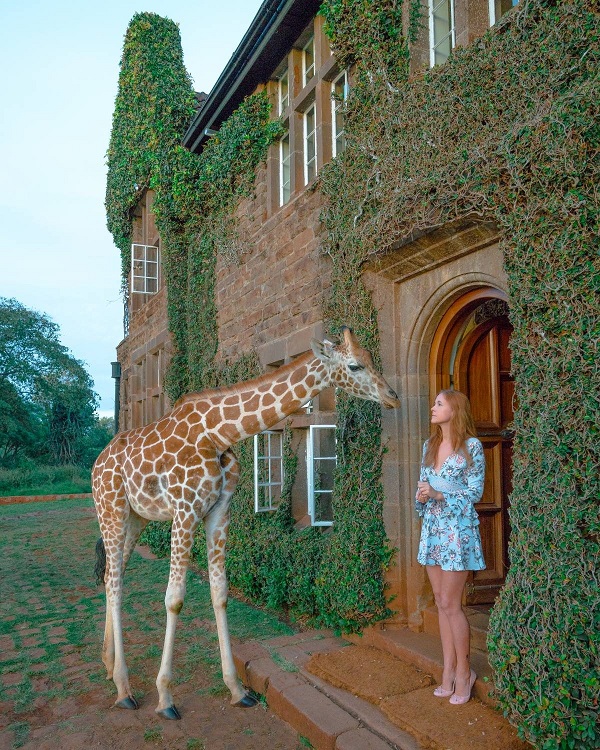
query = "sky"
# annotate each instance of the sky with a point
(59, 63)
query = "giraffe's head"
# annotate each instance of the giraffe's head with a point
(351, 368)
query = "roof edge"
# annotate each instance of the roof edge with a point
(275, 28)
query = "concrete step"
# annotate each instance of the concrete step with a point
(424, 651)
(328, 717)
(334, 718)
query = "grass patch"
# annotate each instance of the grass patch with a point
(284, 664)
(152, 735)
(44, 480)
(21, 731)
(52, 613)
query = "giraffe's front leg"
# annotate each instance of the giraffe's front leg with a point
(216, 525)
(182, 538)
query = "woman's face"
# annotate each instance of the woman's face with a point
(441, 412)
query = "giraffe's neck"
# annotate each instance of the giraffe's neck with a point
(244, 410)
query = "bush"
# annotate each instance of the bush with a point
(33, 479)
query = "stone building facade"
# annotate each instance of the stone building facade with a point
(441, 297)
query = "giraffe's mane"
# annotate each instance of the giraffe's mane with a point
(244, 385)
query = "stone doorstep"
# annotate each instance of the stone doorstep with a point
(424, 651)
(330, 718)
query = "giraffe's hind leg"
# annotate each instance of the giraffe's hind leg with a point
(115, 533)
(135, 526)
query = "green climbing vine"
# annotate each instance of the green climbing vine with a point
(153, 107)
(195, 204)
(507, 130)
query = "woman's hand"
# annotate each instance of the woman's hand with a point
(426, 491)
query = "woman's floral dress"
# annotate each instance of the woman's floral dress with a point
(450, 532)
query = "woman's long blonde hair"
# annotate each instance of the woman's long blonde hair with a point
(462, 427)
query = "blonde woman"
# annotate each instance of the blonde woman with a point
(451, 482)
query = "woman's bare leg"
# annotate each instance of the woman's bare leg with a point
(454, 627)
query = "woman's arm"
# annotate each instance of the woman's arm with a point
(419, 503)
(475, 476)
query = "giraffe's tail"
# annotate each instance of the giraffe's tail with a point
(100, 567)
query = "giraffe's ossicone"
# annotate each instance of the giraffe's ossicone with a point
(181, 468)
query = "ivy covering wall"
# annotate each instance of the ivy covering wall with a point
(507, 130)
(153, 107)
(195, 203)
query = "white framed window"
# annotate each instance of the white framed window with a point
(144, 269)
(442, 37)
(310, 144)
(339, 94)
(499, 7)
(285, 174)
(321, 460)
(268, 470)
(284, 92)
(308, 61)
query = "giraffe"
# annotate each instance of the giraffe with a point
(181, 468)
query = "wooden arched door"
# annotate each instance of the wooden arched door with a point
(473, 356)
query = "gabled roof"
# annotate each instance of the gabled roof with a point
(275, 28)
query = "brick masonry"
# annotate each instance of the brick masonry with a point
(281, 281)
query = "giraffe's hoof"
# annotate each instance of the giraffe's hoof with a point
(169, 713)
(129, 703)
(247, 701)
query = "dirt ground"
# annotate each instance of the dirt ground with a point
(89, 721)
(53, 691)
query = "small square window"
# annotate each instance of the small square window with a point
(268, 470)
(144, 269)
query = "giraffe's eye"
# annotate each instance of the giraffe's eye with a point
(355, 368)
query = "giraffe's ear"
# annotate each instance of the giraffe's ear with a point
(349, 336)
(322, 349)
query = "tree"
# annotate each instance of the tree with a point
(20, 427)
(47, 404)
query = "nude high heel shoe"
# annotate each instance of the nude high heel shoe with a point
(439, 692)
(458, 700)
